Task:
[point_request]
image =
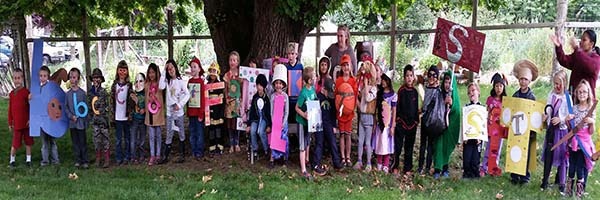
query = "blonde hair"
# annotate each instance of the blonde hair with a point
(586, 84)
(473, 84)
(562, 75)
(307, 74)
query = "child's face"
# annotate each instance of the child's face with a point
(233, 62)
(447, 84)
(558, 86)
(18, 79)
(260, 89)
(122, 72)
(195, 69)
(278, 86)
(96, 81)
(151, 75)
(346, 69)
(171, 70)
(323, 67)
(473, 93)
(43, 76)
(74, 78)
(292, 56)
(409, 78)
(252, 65)
(384, 84)
(498, 88)
(524, 83)
(432, 78)
(582, 94)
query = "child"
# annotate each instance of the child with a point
(279, 104)
(195, 109)
(433, 96)
(496, 132)
(383, 141)
(526, 71)
(407, 119)
(445, 143)
(233, 97)
(77, 118)
(155, 118)
(18, 118)
(48, 142)
(259, 117)
(557, 129)
(215, 137)
(122, 106)
(471, 147)
(98, 98)
(138, 127)
(326, 98)
(367, 107)
(177, 96)
(345, 101)
(306, 94)
(292, 56)
(581, 145)
(323, 73)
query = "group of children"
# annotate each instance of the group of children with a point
(387, 119)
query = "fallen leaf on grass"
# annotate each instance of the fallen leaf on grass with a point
(18, 187)
(360, 188)
(285, 198)
(13, 180)
(348, 190)
(208, 170)
(213, 191)
(376, 182)
(200, 194)
(449, 190)
(499, 196)
(420, 187)
(206, 179)
(73, 176)
(261, 186)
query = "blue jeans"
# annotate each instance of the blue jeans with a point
(122, 134)
(197, 136)
(258, 129)
(138, 136)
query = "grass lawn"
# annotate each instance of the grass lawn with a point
(232, 177)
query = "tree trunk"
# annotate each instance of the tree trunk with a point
(561, 17)
(253, 31)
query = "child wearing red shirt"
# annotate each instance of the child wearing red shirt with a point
(18, 118)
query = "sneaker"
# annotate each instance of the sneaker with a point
(368, 168)
(569, 189)
(446, 174)
(307, 175)
(28, 164)
(579, 189)
(319, 171)
(348, 162)
(544, 186)
(358, 165)
(436, 175)
(395, 171)
(379, 167)
(85, 166)
(77, 165)
(231, 150)
(119, 162)
(237, 148)
(271, 164)
(43, 164)
(12, 165)
(151, 161)
(386, 170)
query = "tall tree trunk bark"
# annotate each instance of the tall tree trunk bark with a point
(253, 31)
(561, 18)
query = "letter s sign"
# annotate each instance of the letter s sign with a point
(455, 57)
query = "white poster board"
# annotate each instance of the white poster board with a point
(313, 112)
(474, 123)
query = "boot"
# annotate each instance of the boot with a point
(167, 152)
(181, 158)
(569, 189)
(106, 159)
(98, 157)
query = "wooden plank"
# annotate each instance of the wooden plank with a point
(170, 33)
(393, 39)
(582, 24)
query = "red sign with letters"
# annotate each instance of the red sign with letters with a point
(458, 44)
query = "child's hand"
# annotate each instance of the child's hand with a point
(589, 120)
(176, 107)
(200, 119)
(555, 40)
(335, 130)
(544, 117)
(570, 117)
(29, 97)
(448, 100)
(142, 111)
(134, 97)
(555, 121)
(247, 129)
(74, 118)
(10, 128)
(268, 130)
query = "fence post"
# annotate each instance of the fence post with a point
(393, 39)
(318, 50)
(86, 49)
(170, 32)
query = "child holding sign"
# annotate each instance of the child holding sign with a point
(122, 106)
(155, 117)
(496, 132)
(98, 99)
(383, 139)
(345, 102)
(581, 145)
(471, 147)
(177, 96)
(306, 94)
(48, 142)
(77, 110)
(18, 118)
(195, 109)
(279, 116)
